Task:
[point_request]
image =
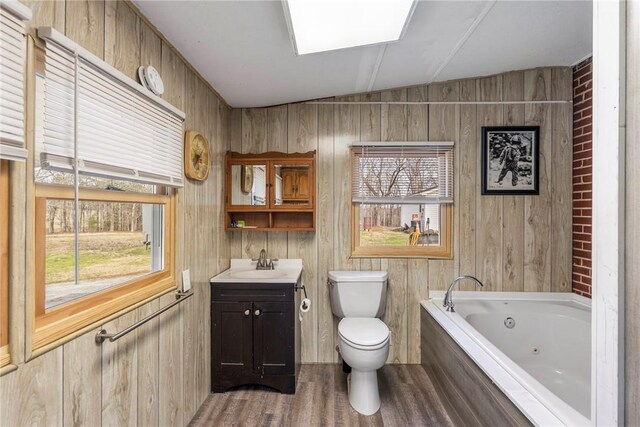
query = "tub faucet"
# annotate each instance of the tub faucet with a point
(448, 301)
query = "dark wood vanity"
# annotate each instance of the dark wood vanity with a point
(255, 336)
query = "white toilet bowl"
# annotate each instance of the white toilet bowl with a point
(364, 346)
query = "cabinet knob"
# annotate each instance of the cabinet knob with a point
(257, 312)
(247, 312)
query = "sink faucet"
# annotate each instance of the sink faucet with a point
(262, 261)
(448, 301)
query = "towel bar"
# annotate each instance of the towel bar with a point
(103, 335)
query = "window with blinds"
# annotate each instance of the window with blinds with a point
(402, 194)
(107, 123)
(12, 69)
(403, 173)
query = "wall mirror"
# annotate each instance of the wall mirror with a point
(291, 185)
(249, 185)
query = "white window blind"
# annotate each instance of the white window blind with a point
(123, 131)
(12, 61)
(402, 172)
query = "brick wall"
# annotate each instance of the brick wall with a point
(582, 174)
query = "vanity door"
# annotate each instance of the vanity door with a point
(232, 331)
(273, 335)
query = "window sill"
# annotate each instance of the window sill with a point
(442, 253)
(62, 324)
(5, 357)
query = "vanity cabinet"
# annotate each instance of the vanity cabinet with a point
(254, 335)
(270, 192)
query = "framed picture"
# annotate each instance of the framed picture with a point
(246, 178)
(510, 160)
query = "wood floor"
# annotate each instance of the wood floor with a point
(407, 394)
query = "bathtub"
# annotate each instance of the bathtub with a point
(535, 347)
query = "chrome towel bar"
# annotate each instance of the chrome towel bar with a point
(103, 335)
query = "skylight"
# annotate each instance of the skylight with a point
(322, 25)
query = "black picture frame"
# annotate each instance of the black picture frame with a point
(509, 148)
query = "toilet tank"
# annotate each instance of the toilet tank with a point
(358, 293)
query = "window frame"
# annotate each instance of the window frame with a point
(5, 357)
(442, 251)
(58, 322)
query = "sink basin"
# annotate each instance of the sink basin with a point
(258, 274)
(244, 271)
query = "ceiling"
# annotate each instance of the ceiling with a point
(243, 49)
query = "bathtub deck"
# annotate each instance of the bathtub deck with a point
(407, 393)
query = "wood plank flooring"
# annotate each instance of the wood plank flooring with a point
(407, 393)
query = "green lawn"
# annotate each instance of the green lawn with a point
(384, 236)
(102, 256)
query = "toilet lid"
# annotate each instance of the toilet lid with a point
(363, 331)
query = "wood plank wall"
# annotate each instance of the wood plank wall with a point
(160, 374)
(632, 246)
(511, 243)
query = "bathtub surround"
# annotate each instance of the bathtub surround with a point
(582, 177)
(160, 373)
(512, 243)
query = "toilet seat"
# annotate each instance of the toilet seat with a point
(364, 333)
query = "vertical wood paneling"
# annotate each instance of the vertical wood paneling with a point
(254, 140)
(81, 380)
(370, 130)
(443, 126)
(277, 129)
(562, 180)
(394, 128)
(122, 37)
(47, 13)
(469, 186)
(120, 375)
(32, 395)
(148, 350)
(303, 137)
(417, 269)
(325, 232)
(151, 49)
(513, 206)
(537, 252)
(170, 397)
(346, 130)
(489, 208)
(235, 144)
(85, 24)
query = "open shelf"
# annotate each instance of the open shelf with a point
(272, 221)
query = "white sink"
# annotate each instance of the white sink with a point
(258, 274)
(244, 271)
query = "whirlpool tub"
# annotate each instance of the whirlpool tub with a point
(534, 347)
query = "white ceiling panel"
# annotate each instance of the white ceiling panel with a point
(243, 48)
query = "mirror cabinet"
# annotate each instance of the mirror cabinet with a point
(270, 191)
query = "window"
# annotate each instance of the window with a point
(402, 196)
(120, 253)
(4, 262)
(108, 156)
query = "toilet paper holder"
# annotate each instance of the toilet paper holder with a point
(298, 287)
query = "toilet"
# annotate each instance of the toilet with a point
(359, 298)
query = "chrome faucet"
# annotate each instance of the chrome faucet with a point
(448, 301)
(263, 264)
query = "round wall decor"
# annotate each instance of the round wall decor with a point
(196, 156)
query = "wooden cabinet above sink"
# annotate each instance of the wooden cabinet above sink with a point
(270, 192)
